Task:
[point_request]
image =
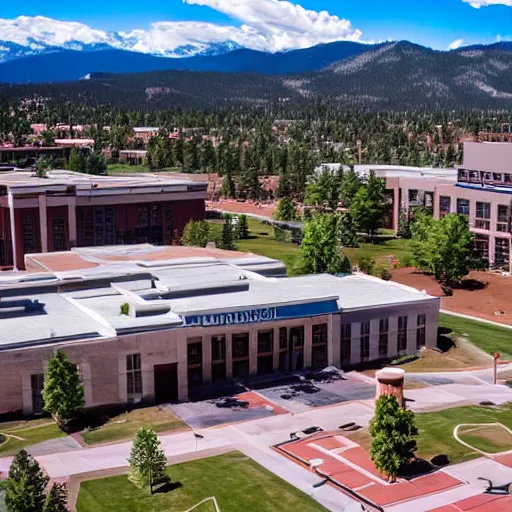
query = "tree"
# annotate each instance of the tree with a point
(286, 210)
(324, 191)
(443, 247)
(348, 231)
(96, 163)
(196, 233)
(147, 460)
(228, 234)
(350, 184)
(369, 205)
(243, 227)
(56, 499)
(393, 431)
(63, 393)
(321, 250)
(76, 161)
(25, 486)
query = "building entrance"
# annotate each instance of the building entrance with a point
(166, 383)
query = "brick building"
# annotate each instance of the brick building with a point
(197, 318)
(66, 210)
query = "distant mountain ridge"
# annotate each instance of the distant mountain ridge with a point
(68, 65)
(395, 75)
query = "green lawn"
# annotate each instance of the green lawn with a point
(262, 241)
(237, 482)
(125, 426)
(30, 432)
(487, 337)
(436, 432)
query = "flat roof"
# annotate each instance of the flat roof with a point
(82, 298)
(20, 182)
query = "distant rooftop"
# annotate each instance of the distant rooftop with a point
(20, 182)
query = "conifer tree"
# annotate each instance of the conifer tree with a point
(147, 461)
(25, 486)
(63, 393)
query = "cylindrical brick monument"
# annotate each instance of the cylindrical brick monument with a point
(390, 381)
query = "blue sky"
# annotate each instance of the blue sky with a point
(435, 23)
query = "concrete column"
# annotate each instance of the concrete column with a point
(374, 339)
(207, 359)
(229, 356)
(26, 391)
(43, 222)
(13, 231)
(308, 342)
(87, 382)
(396, 208)
(393, 336)
(334, 342)
(121, 370)
(182, 357)
(355, 349)
(275, 349)
(72, 224)
(253, 352)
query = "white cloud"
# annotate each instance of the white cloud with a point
(268, 25)
(455, 44)
(485, 3)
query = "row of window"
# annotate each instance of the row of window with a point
(482, 213)
(402, 337)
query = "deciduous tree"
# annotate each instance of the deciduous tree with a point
(393, 432)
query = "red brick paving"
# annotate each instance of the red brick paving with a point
(379, 491)
(480, 503)
(256, 401)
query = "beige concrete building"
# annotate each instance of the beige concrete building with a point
(196, 317)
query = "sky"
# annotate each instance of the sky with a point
(271, 25)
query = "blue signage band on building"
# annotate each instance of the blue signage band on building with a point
(263, 315)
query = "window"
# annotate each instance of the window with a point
(240, 345)
(502, 224)
(421, 331)
(346, 342)
(383, 337)
(319, 334)
(265, 341)
(402, 333)
(283, 338)
(36, 385)
(218, 358)
(195, 353)
(195, 362)
(445, 203)
(133, 378)
(463, 206)
(218, 348)
(365, 341)
(483, 213)
(502, 252)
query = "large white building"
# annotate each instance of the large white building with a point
(195, 316)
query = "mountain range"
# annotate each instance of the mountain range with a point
(388, 75)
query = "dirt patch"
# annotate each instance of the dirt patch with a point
(474, 299)
(251, 207)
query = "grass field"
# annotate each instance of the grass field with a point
(488, 438)
(487, 337)
(436, 432)
(237, 482)
(263, 242)
(125, 426)
(30, 432)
